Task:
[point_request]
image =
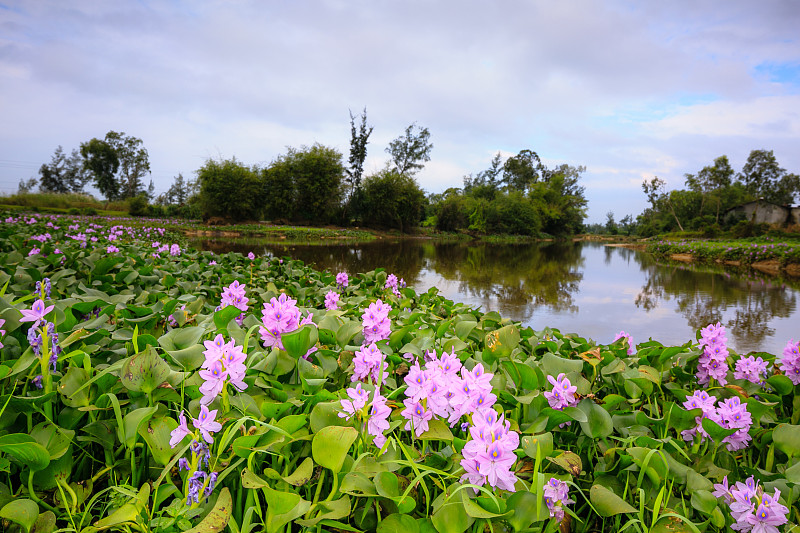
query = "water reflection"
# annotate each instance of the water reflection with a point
(587, 288)
(746, 304)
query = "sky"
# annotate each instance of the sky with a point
(630, 90)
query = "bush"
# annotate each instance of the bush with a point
(137, 206)
(229, 189)
(304, 185)
(392, 200)
(452, 214)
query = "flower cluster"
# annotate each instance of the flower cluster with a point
(713, 363)
(198, 482)
(235, 295)
(375, 413)
(629, 342)
(731, 414)
(369, 364)
(751, 507)
(224, 364)
(556, 496)
(37, 335)
(251, 256)
(489, 455)
(280, 316)
(342, 279)
(377, 325)
(332, 301)
(790, 362)
(563, 393)
(2, 331)
(750, 368)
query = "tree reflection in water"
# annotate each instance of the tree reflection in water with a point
(705, 295)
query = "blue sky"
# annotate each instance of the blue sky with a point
(630, 90)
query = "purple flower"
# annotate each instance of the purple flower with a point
(416, 415)
(369, 363)
(174, 250)
(206, 424)
(751, 369)
(563, 393)
(358, 399)
(790, 362)
(628, 341)
(556, 496)
(342, 279)
(37, 312)
(178, 434)
(713, 363)
(195, 482)
(251, 256)
(378, 419)
(377, 325)
(37, 381)
(111, 249)
(2, 331)
(331, 301)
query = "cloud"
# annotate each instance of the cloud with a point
(626, 89)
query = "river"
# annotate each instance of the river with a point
(582, 287)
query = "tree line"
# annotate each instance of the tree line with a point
(316, 185)
(707, 196)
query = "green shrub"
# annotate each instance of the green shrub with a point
(229, 189)
(137, 206)
(392, 200)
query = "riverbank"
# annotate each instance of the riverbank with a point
(763, 254)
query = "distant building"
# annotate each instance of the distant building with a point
(761, 211)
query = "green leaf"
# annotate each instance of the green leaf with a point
(347, 331)
(437, 430)
(544, 442)
(218, 518)
(144, 371)
(598, 423)
(55, 440)
(524, 504)
(464, 328)
(23, 512)
(607, 503)
(554, 365)
(451, 518)
(569, 461)
(781, 384)
(302, 474)
(282, 508)
(501, 342)
(787, 439)
(715, 431)
(704, 501)
(223, 317)
(298, 342)
(398, 523)
(156, 433)
(133, 420)
(331, 444)
(523, 376)
(25, 450)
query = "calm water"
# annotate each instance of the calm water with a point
(587, 288)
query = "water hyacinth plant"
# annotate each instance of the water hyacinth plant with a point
(160, 393)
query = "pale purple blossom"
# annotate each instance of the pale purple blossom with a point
(376, 323)
(628, 341)
(342, 279)
(790, 362)
(331, 301)
(751, 369)
(556, 496)
(36, 313)
(206, 424)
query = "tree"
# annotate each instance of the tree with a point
(63, 174)
(229, 189)
(521, 171)
(134, 163)
(611, 225)
(358, 151)
(764, 178)
(25, 187)
(655, 189)
(560, 199)
(178, 193)
(486, 183)
(304, 184)
(101, 159)
(392, 200)
(710, 180)
(410, 150)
